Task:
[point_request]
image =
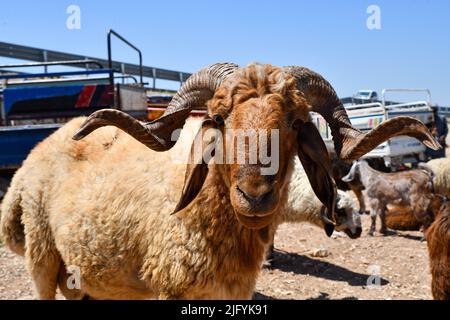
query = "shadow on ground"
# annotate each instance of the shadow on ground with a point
(326, 296)
(411, 237)
(298, 264)
(321, 296)
(260, 296)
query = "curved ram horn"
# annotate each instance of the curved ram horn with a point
(349, 142)
(157, 135)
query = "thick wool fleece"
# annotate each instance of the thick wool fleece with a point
(104, 205)
(441, 170)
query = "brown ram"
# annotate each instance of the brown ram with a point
(103, 203)
(438, 240)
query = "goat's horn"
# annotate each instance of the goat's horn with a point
(349, 142)
(157, 135)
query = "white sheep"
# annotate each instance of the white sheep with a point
(304, 206)
(441, 171)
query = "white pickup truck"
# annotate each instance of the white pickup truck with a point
(395, 152)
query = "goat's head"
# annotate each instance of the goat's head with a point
(354, 174)
(262, 98)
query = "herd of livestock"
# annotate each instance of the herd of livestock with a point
(103, 194)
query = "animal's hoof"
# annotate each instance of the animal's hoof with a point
(370, 234)
(268, 264)
(388, 232)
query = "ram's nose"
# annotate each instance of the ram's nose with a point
(256, 195)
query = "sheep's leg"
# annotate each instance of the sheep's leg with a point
(42, 258)
(375, 210)
(270, 254)
(45, 277)
(373, 222)
(68, 293)
(361, 201)
(269, 257)
(383, 228)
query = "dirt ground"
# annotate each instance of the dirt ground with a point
(379, 267)
(390, 267)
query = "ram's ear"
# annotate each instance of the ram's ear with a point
(317, 164)
(197, 169)
(329, 229)
(328, 225)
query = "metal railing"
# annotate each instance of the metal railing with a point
(54, 74)
(110, 64)
(383, 93)
(20, 52)
(85, 62)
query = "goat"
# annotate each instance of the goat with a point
(104, 205)
(411, 189)
(438, 241)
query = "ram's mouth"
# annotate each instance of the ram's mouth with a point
(256, 221)
(249, 215)
(254, 215)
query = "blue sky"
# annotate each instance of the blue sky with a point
(412, 49)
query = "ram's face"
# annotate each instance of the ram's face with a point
(348, 220)
(257, 118)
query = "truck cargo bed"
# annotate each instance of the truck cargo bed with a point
(16, 142)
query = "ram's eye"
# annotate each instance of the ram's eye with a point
(217, 118)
